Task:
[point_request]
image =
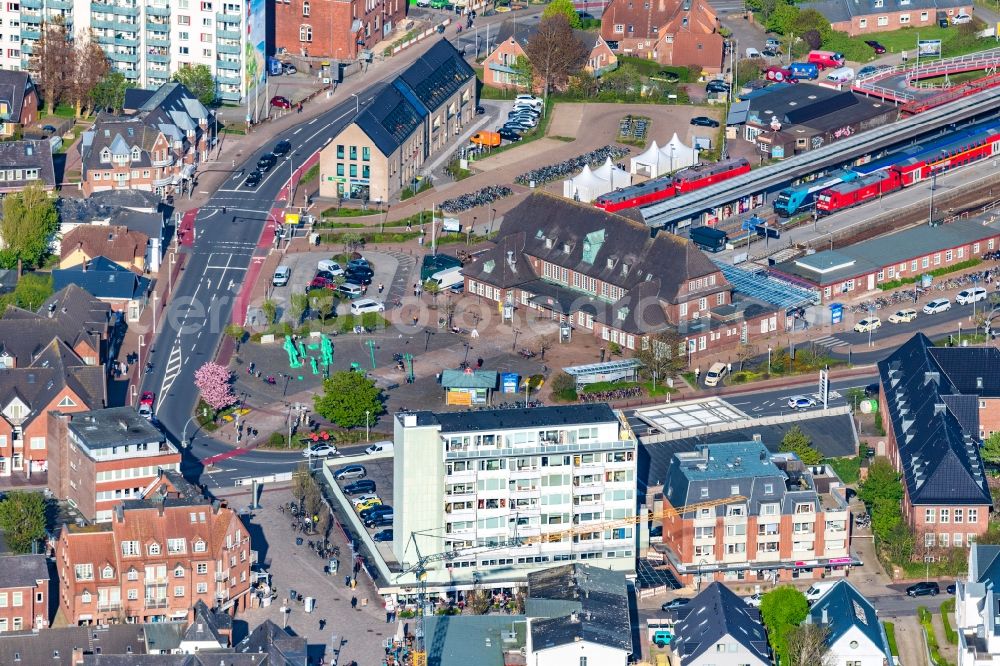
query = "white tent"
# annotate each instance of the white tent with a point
(647, 164)
(678, 156)
(586, 186)
(611, 173)
(657, 161)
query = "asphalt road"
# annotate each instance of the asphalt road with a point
(203, 299)
(774, 402)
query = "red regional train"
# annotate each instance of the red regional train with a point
(963, 150)
(664, 187)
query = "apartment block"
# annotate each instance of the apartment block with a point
(735, 512)
(105, 456)
(146, 41)
(24, 593)
(522, 485)
(339, 29)
(153, 562)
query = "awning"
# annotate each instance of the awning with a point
(496, 67)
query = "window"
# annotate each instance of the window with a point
(133, 574)
(175, 546)
(3, 600)
(305, 33)
(683, 309)
(973, 515)
(85, 597)
(130, 548)
(183, 20)
(202, 568)
(904, 19)
(179, 572)
(340, 169)
(154, 549)
(945, 515)
(184, 36)
(959, 515)
(107, 572)
(957, 540)
(943, 539)
(354, 171)
(305, 9)
(930, 515)
(366, 153)
(178, 590)
(720, 298)
(583, 661)
(202, 588)
(882, 20)
(133, 594)
(863, 23)
(17, 599)
(199, 546)
(619, 29)
(84, 571)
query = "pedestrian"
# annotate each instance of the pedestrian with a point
(354, 603)
(381, 287)
(347, 581)
(322, 623)
(415, 319)
(354, 583)
(414, 288)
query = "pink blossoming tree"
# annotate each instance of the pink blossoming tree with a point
(213, 380)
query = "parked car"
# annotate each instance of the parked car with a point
(320, 283)
(716, 373)
(146, 401)
(360, 487)
(283, 147)
(752, 53)
(320, 451)
(817, 590)
(288, 68)
(358, 263)
(662, 638)
(509, 134)
(350, 289)
(253, 180)
(968, 296)
(901, 316)
(364, 305)
(382, 536)
(801, 402)
(871, 390)
(923, 589)
(959, 19)
(375, 512)
(878, 48)
(717, 86)
(772, 43)
(950, 589)
(330, 266)
(380, 520)
(282, 274)
(359, 278)
(771, 53)
(350, 472)
(280, 102)
(668, 76)
(367, 504)
(704, 121)
(265, 162)
(364, 498)
(50, 129)
(937, 305)
(379, 447)
(480, 109)
(674, 604)
(754, 600)
(867, 324)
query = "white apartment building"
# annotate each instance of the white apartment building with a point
(10, 36)
(976, 608)
(511, 491)
(146, 41)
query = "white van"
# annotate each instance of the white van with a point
(841, 75)
(817, 590)
(753, 53)
(447, 278)
(380, 447)
(716, 373)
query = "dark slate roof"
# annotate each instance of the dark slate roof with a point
(389, 120)
(436, 75)
(844, 608)
(715, 614)
(985, 564)
(22, 570)
(55, 646)
(837, 11)
(208, 626)
(131, 199)
(13, 87)
(577, 602)
(810, 106)
(500, 419)
(972, 371)
(151, 224)
(282, 647)
(941, 463)
(103, 279)
(164, 636)
(115, 426)
(601, 245)
(27, 155)
(136, 97)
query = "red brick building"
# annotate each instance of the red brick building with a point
(24, 593)
(499, 68)
(603, 274)
(677, 33)
(866, 17)
(153, 562)
(338, 29)
(793, 522)
(103, 457)
(938, 402)
(18, 102)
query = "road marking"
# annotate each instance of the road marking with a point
(313, 120)
(225, 268)
(297, 131)
(170, 372)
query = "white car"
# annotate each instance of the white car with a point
(967, 296)
(753, 600)
(901, 316)
(869, 324)
(320, 451)
(801, 402)
(364, 499)
(330, 266)
(363, 305)
(959, 19)
(937, 305)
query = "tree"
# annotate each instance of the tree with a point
(301, 480)
(109, 93)
(30, 220)
(52, 62)
(322, 303)
(900, 542)
(214, 382)
(545, 343)
(746, 352)
(524, 74)
(782, 609)
(782, 19)
(813, 38)
(563, 386)
(807, 645)
(563, 8)
(886, 518)
(555, 53)
(91, 68)
(22, 519)
(748, 69)
(346, 397)
(810, 19)
(624, 80)
(270, 310)
(661, 357)
(882, 483)
(29, 294)
(797, 442)
(198, 79)
(236, 333)
(297, 307)
(990, 451)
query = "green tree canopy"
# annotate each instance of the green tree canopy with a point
(782, 19)
(782, 609)
(991, 449)
(564, 8)
(198, 79)
(810, 19)
(346, 397)
(31, 291)
(22, 519)
(109, 93)
(797, 442)
(882, 483)
(30, 220)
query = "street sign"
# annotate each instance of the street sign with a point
(836, 313)
(824, 387)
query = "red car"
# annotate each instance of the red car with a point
(321, 283)
(280, 102)
(147, 398)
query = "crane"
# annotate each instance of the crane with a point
(420, 567)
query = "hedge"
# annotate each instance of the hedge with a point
(937, 272)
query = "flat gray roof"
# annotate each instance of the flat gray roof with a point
(117, 426)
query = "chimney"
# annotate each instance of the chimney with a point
(826, 619)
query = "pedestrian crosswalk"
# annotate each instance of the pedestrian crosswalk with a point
(829, 341)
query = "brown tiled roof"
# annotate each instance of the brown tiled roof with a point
(117, 243)
(650, 19)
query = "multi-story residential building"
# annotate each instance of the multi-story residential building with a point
(337, 29)
(605, 274)
(678, 33)
(153, 562)
(414, 118)
(10, 36)
(786, 520)
(102, 457)
(156, 148)
(526, 478)
(149, 41)
(976, 601)
(24, 592)
(938, 404)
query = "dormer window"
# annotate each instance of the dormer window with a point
(199, 546)
(106, 155)
(154, 549)
(107, 573)
(136, 154)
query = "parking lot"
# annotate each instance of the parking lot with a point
(378, 470)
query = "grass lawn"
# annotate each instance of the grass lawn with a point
(890, 634)
(848, 469)
(952, 42)
(652, 68)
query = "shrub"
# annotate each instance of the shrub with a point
(950, 634)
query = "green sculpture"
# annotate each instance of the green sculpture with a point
(312, 362)
(326, 348)
(302, 349)
(293, 354)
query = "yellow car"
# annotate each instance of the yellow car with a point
(902, 316)
(367, 504)
(866, 325)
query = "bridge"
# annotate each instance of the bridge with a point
(901, 84)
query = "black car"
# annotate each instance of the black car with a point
(49, 128)
(674, 604)
(717, 86)
(509, 135)
(878, 48)
(266, 162)
(381, 520)
(669, 77)
(950, 589)
(480, 110)
(871, 390)
(923, 589)
(375, 511)
(253, 180)
(359, 277)
(770, 53)
(384, 535)
(358, 263)
(282, 147)
(360, 487)
(704, 121)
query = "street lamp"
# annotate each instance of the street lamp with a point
(769, 360)
(184, 432)
(291, 182)
(368, 413)
(357, 105)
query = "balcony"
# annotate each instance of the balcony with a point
(227, 18)
(162, 25)
(124, 57)
(163, 182)
(109, 607)
(158, 57)
(158, 42)
(230, 95)
(131, 74)
(126, 41)
(126, 11)
(231, 49)
(27, 33)
(227, 34)
(31, 4)
(102, 24)
(224, 78)
(35, 19)
(170, 158)
(154, 10)
(156, 603)
(221, 575)
(65, 5)
(131, 28)
(228, 64)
